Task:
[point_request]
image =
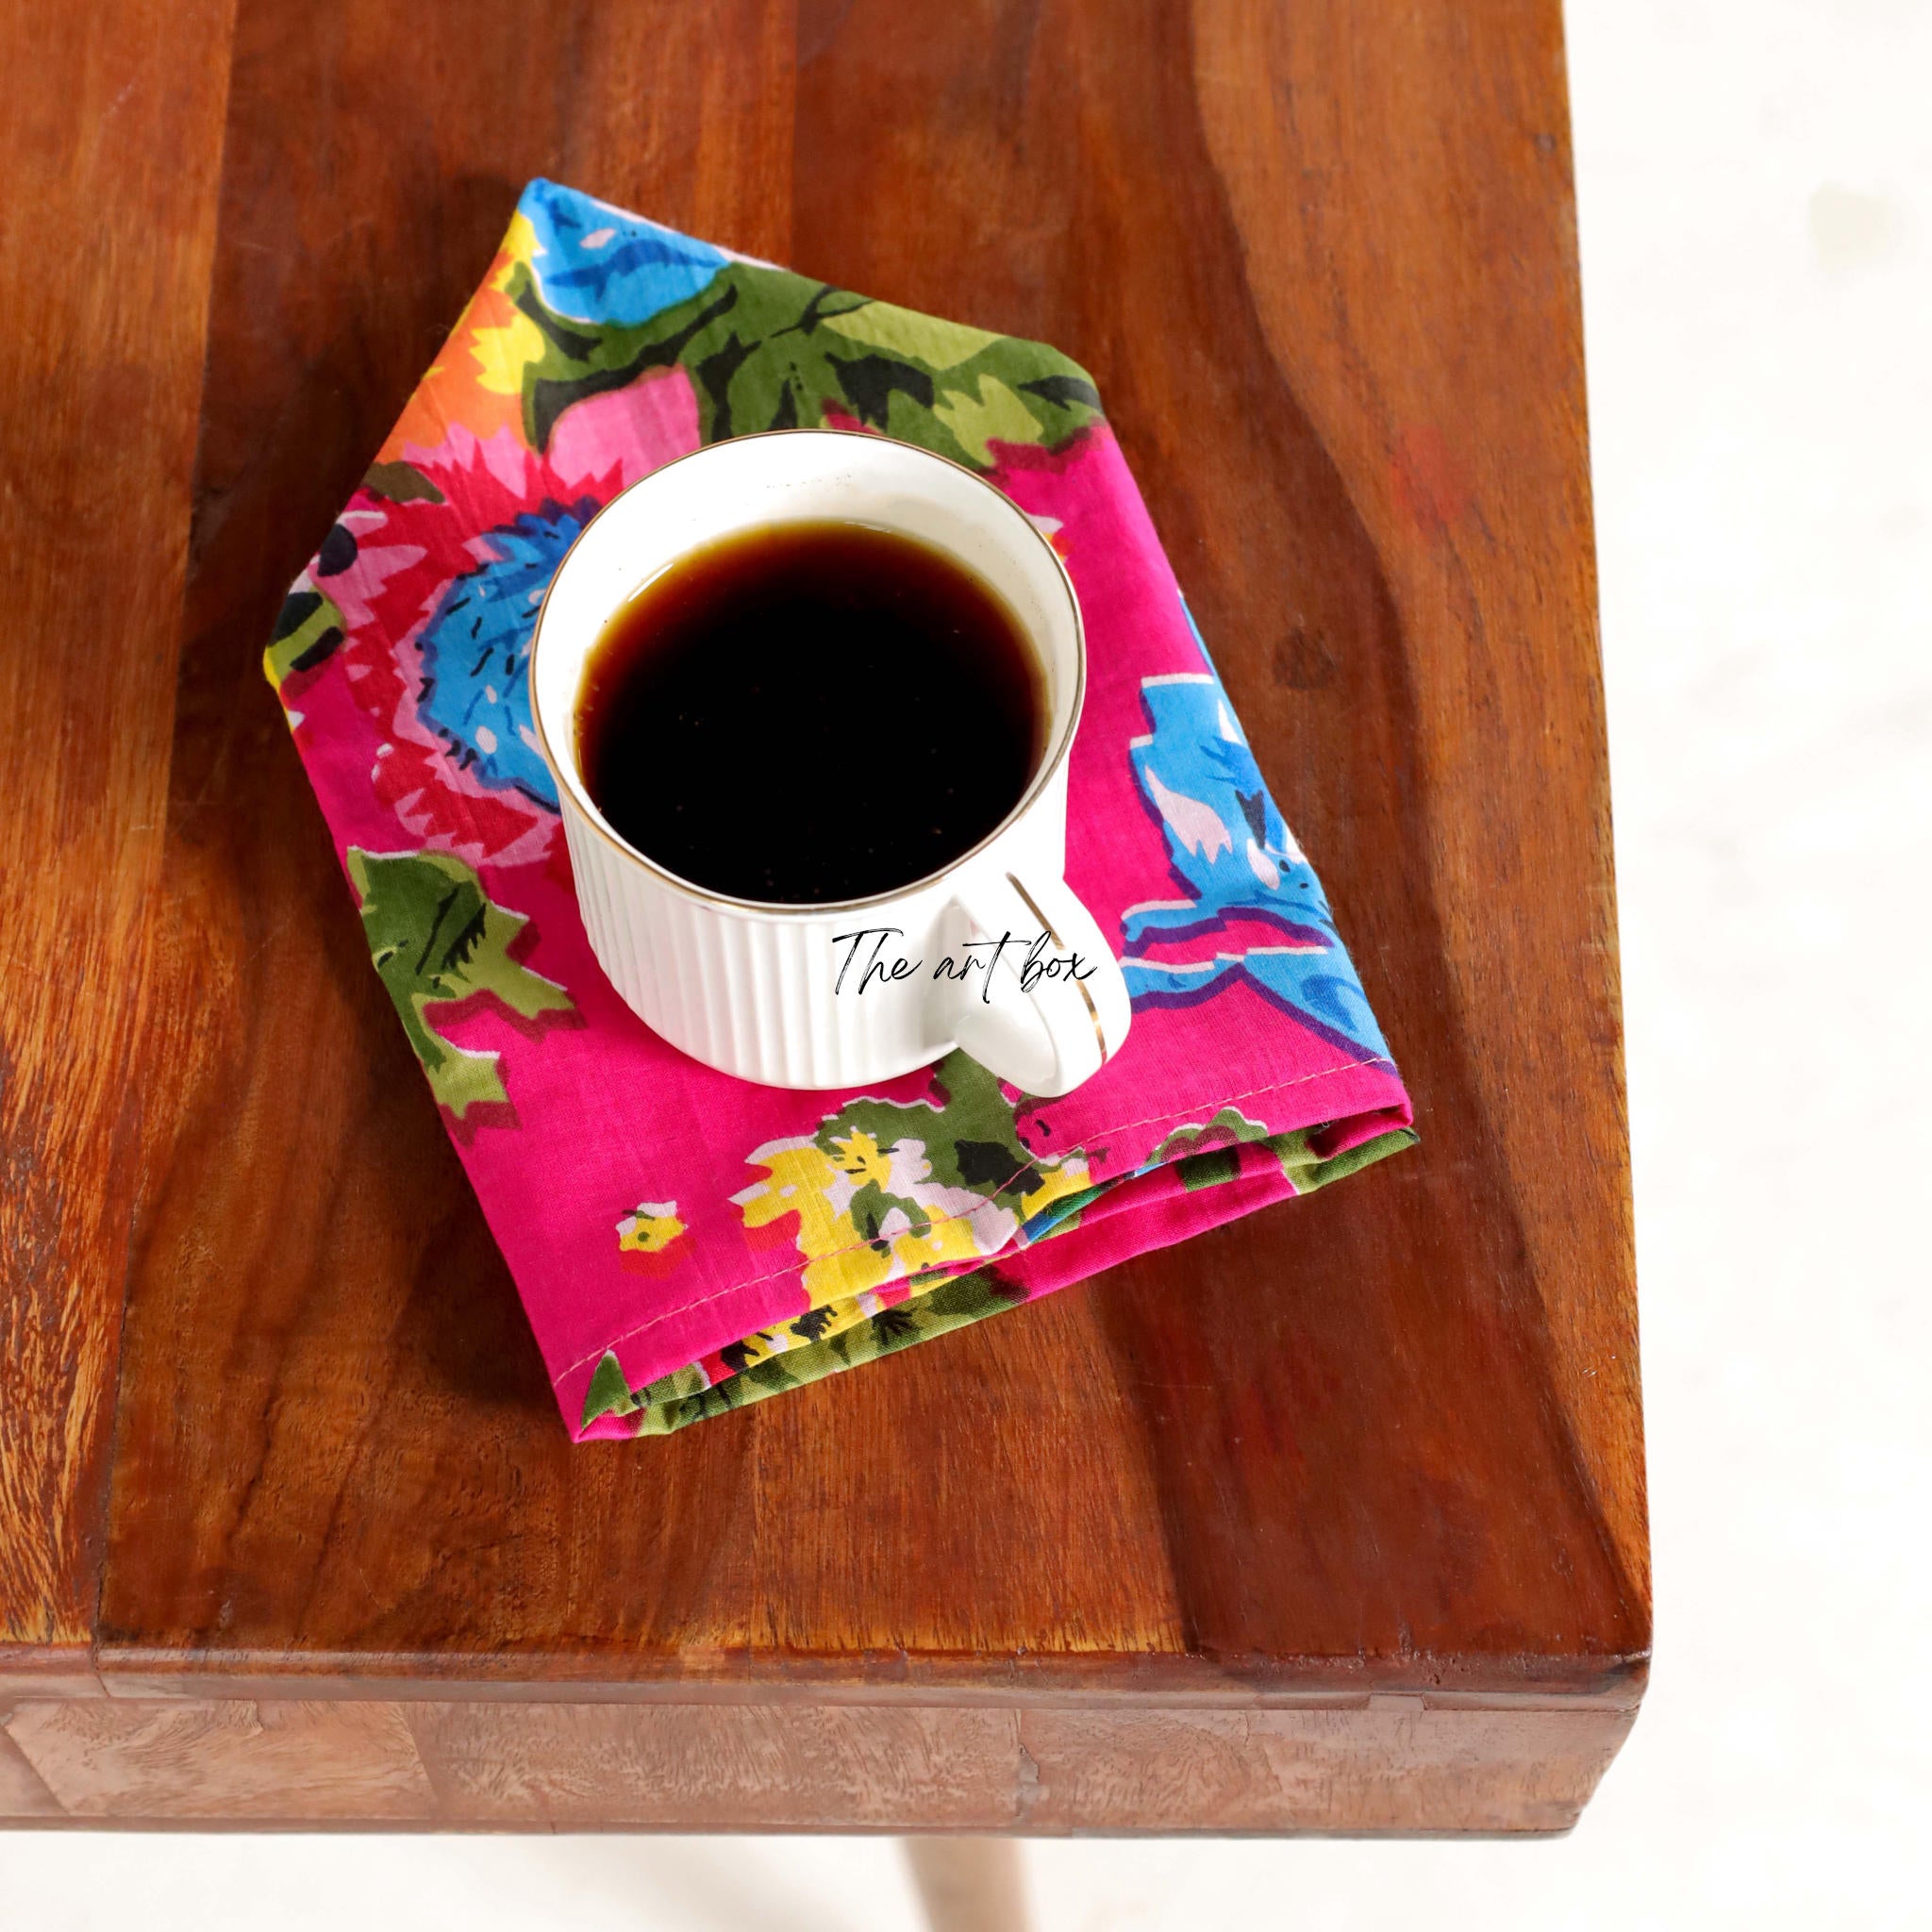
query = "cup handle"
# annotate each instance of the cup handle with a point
(1047, 1037)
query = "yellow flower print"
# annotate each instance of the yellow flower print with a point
(842, 1259)
(815, 1324)
(952, 1237)
(887, 1190)
(858, 1155)
(518, 246)
(1056, 1184)
(799, 1179)
(649, 1228)
(505, 351)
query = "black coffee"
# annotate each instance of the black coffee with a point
(810, 712)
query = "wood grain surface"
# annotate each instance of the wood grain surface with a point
(802, 1766)
(1175, 1538)
(104, 284)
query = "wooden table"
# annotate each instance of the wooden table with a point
(1332, 1520)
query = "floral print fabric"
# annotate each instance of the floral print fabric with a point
(685, 1242)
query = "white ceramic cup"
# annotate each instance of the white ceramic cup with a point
(816, 995)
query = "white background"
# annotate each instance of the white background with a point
(1755, 183)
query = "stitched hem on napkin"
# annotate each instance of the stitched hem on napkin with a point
(1234, 1179)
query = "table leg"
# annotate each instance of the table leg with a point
(970, 1884)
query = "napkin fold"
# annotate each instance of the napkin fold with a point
(685, 1242)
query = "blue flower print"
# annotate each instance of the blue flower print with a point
(476, 653)
(1253, 908)
(595, 263)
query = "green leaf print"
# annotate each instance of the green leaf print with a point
(968, 1142)
(1204, 1156)
(767, 349)
(609, 1392)
(436, 938)
(400, 482)
(989, 413)
(904, 332)
(306, 632)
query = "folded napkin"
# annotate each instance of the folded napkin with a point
(685, 1242)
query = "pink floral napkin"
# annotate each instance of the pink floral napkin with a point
(685, 1242)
